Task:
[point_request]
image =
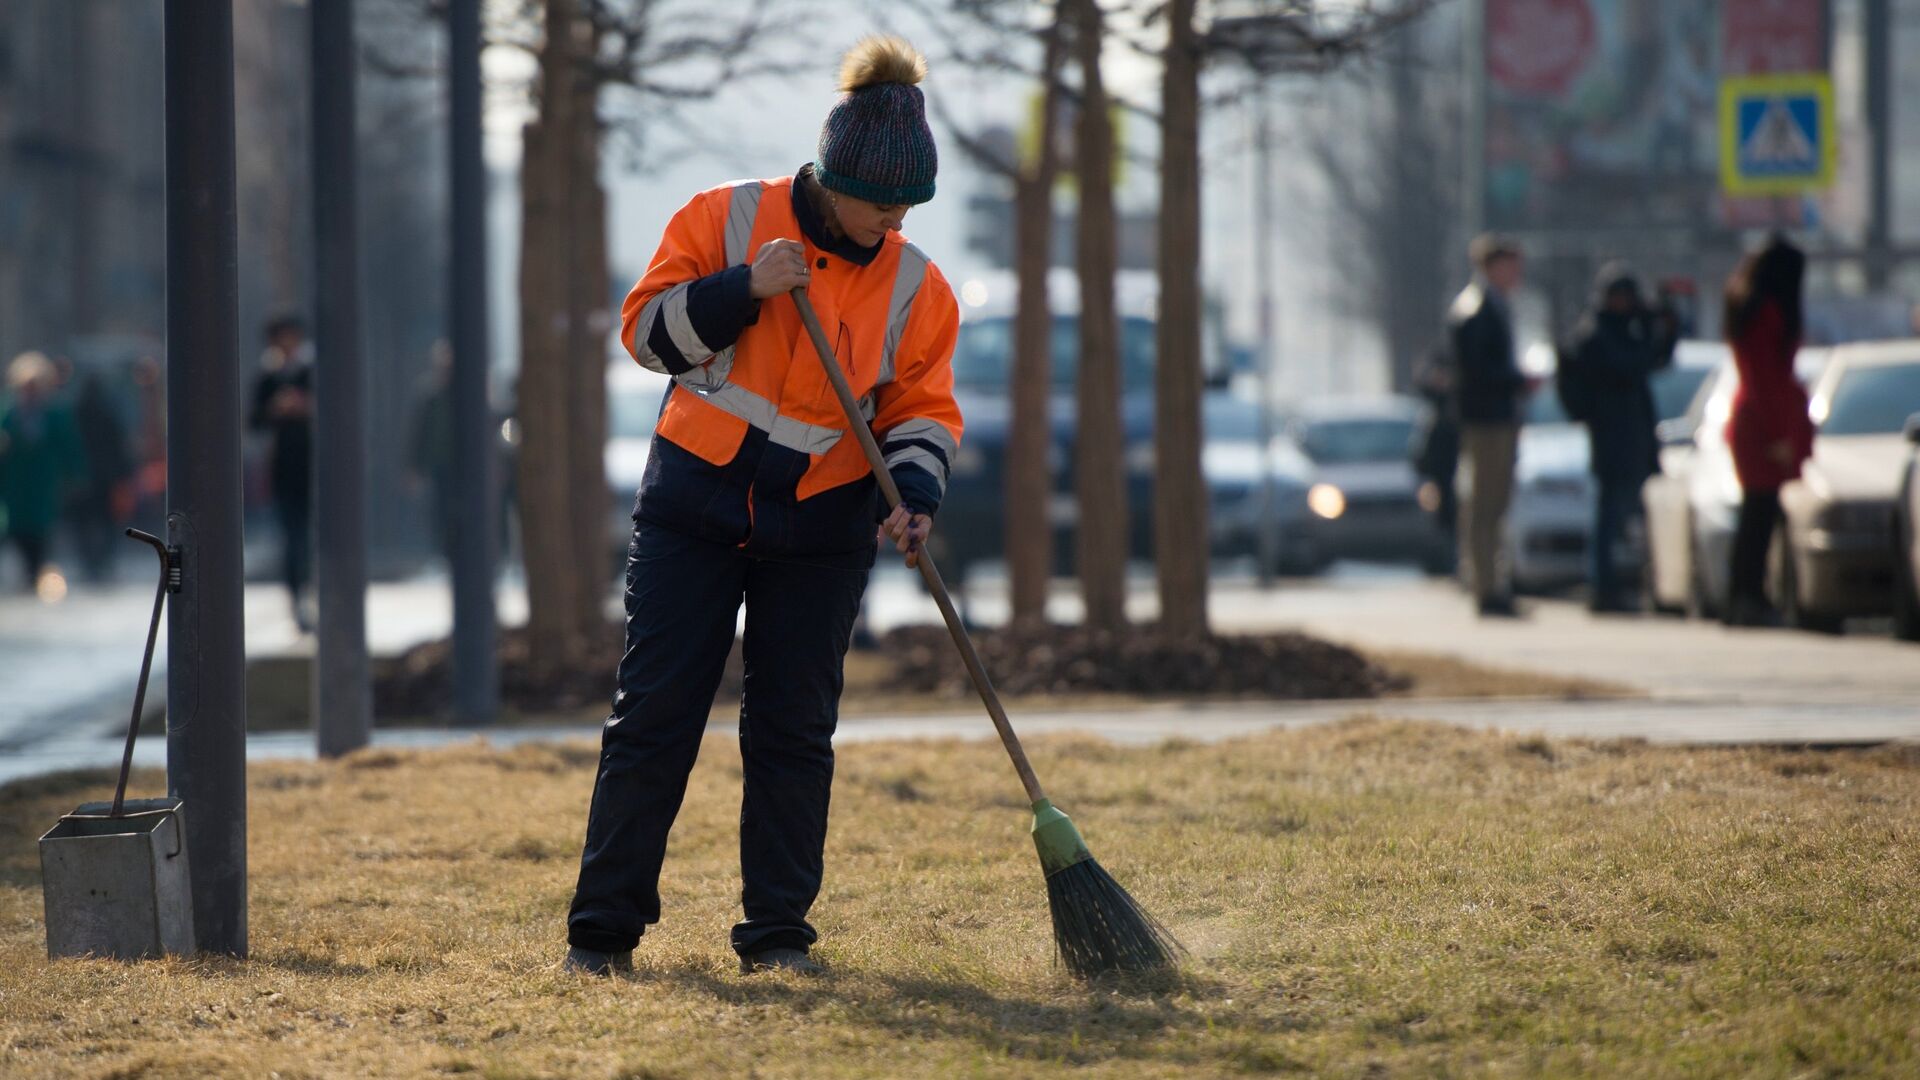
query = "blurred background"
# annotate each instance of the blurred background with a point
(1346, 153)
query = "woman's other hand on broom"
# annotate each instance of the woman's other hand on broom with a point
(908, 531)
(779, 266)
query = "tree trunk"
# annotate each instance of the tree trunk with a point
(1179, 491)
(545, 398)
(1424, 193)
(1100, 477)
(586, 357)
(1029, 472)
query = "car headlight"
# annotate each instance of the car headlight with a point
(1327, 501)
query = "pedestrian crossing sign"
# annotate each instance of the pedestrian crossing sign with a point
(1776, 134)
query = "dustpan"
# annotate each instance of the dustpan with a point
(114, 875)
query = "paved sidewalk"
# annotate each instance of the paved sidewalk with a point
(1704, 684)
(1668, 658)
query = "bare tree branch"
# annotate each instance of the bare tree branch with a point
(996, 55)
(1296, 39)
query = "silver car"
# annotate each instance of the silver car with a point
(1363, 497)
(1551, 515)
(1906, 537)
(1833, 555)
(1241, 504)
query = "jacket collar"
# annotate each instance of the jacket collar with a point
(1498, 300)
(815, 227)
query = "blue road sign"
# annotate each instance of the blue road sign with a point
(1776, 134)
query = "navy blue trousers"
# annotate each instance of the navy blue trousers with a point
(683, 601)
(1615, 503)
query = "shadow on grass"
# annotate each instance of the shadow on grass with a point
(1083, 1022)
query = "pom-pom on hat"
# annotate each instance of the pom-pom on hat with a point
(876, 144)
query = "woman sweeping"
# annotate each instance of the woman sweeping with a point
(755, 492)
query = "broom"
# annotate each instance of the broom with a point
(1097, 927)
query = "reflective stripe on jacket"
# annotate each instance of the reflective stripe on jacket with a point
(751, 447)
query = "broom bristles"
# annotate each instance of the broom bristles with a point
(1098, 928)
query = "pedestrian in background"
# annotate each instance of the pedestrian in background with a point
(41, 460)
(433, 460)
(1604, 381)
(103, 503)
(1769, 430)
(1436, 451)
(430, 452)
(283, 408)
(1487, 394)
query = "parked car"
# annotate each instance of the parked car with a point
(1362, 494)
(1551, 520)
(1240, 503)
(1906, 536)
(1833, 557)
(1551, 515)
(1692, 503)
(972, 515)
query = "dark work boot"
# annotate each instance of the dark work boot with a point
(581, 961)
(794, 960)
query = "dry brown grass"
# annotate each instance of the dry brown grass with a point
(1427, 675)
(1367, 899)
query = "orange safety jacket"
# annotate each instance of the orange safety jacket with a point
(752, 447)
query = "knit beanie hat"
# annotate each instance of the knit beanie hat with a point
(876, 144)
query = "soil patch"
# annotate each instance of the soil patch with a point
(419, 682)
(1067, 660)
(921, 661)
(916, 670)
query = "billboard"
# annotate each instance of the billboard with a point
(1605, 114)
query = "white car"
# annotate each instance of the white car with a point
(1834, 554)
(1551, 515)
(1551, 520)
(1693, 502)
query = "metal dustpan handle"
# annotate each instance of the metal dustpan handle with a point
(169, 578)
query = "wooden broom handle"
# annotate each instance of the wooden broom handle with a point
(928, 571)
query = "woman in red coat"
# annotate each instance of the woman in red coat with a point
(1769, 430)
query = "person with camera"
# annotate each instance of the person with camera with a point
(1606, 367)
